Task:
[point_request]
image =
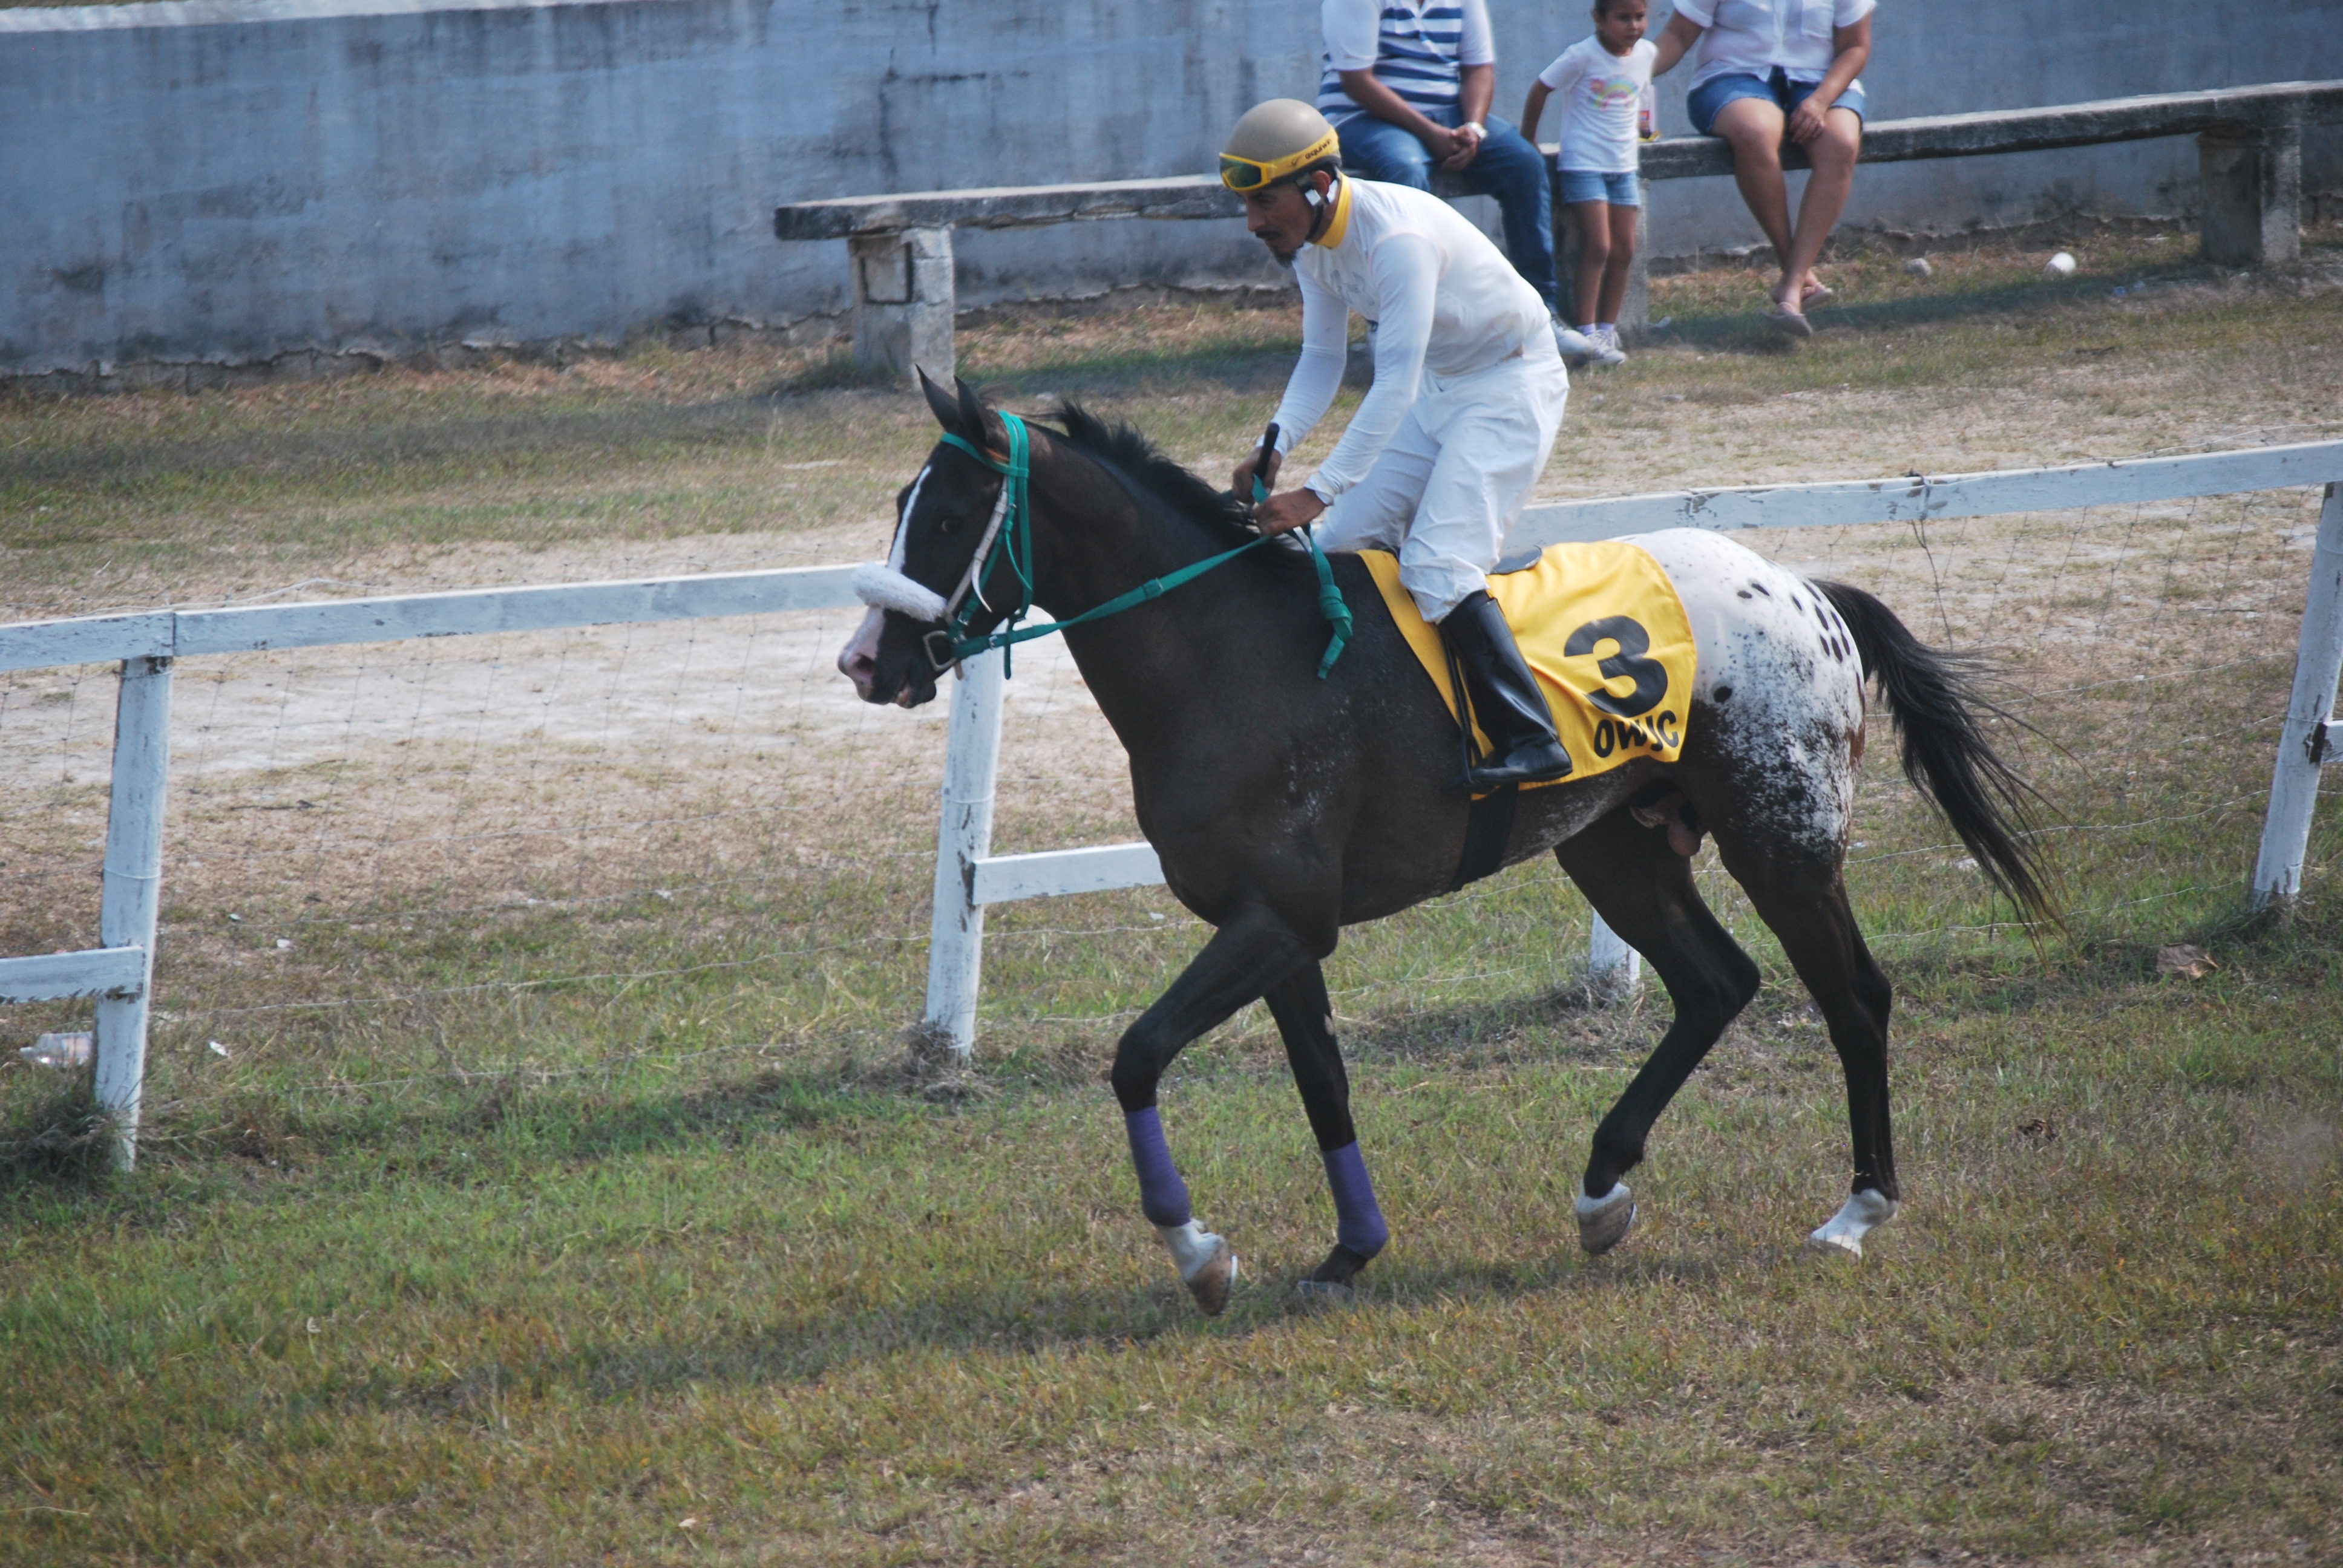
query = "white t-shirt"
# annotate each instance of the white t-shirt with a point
(1752, 37)
(1444, 301)
(1601, 94)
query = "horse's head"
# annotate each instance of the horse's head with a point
(942, 520)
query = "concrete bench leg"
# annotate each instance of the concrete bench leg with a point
(2253, 197)
(903, 301)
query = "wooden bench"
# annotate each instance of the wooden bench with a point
(2250, 154)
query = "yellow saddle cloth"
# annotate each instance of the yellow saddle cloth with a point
(1605, 632)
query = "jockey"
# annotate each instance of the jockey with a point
(1442, 453)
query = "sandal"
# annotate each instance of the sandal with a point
(1790, 320)
(1814, 294)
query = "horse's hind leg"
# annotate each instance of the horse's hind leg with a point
(1801, 895)
(1306, 1019)
(1643, 890)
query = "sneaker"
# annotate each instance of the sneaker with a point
(1601, 348)
(1576, 347)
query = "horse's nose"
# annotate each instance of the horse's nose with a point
(859, 659)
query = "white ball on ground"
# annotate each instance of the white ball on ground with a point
(2061, 265)
(1919, 266)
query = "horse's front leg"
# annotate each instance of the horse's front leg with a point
(1253, 950)
(1306, 1019)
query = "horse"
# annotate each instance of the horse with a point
(1285, 806)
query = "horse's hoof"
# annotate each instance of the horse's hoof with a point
(1842, 1235)
(1207, 1266)
(1211, 1283)
(1604, 1222)
(1324, 1294)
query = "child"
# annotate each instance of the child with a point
(1603, 81)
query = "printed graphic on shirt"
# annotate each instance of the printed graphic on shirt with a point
(1600, 96)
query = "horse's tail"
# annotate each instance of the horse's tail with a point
(1932, 696)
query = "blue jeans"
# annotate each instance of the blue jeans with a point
(1507, 167)
(1590, 184)
(1776, 88)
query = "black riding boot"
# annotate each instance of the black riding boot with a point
(1506, 702)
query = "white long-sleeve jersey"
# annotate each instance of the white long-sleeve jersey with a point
(1444, 301)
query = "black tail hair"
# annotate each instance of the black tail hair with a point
(1931, 697)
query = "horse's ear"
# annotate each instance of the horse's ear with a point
(979, 423)
(939, 402)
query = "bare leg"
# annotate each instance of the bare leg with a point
(1753, 127)
(1593, 218)
(1622, 255)
(1834, 154)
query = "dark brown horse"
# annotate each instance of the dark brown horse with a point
(1284, 807)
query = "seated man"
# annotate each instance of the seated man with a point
(1443, 451)
(1407, 84)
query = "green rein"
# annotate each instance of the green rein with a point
(1014, 541)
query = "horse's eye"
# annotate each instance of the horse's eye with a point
(947, 525)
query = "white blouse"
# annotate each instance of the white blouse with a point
(1750, 37)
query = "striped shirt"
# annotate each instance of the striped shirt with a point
(1417, 48)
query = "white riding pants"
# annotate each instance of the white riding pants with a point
(1456, 476)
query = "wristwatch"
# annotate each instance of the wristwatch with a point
(1476, 128)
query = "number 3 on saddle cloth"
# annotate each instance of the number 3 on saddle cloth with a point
(1602, 629)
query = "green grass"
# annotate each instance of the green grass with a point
(833, 1323)
(530, 1230)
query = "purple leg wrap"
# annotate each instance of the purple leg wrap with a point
(1162, 1196)
(1358, 1222)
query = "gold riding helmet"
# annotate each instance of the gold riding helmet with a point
(1273, 140)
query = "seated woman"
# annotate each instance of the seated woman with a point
(1765, 68)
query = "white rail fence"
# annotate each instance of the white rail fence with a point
(118, 974)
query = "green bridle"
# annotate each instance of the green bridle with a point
(1010, 534)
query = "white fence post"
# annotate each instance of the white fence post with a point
(133, 884)
(1613, 967)
(971, 761)
(2304, 744)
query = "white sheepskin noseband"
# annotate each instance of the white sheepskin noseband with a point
(883, 588)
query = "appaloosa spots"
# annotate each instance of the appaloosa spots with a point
(1808, 699)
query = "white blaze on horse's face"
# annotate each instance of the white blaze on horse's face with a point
(859, 659)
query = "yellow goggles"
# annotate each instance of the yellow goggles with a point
(1246, 175)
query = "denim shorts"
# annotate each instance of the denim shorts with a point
(1785, 94)
(1585, 185)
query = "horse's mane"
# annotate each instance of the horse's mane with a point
(1136, 459)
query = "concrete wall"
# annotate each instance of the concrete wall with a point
(228, 180)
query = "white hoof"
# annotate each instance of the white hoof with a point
(1207, 1266)
(1604, 1222)
(1857, 1217)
